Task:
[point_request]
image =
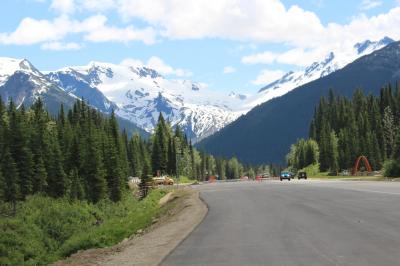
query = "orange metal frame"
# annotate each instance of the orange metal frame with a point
(357, 164)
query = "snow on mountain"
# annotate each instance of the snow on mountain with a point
(141, 93)
(22, 82)
(82, 86)
(138, 93)
(9, 66)
(331, 63)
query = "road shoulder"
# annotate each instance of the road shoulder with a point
(182, 214)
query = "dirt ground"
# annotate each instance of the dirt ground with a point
(183, 212)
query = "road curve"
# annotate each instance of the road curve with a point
(296, 223)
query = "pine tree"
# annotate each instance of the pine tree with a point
(95, 173)
(220, 165)
(118, 144)
(10, 176)
(58, 182)
(325, 146)
(77, 190)
(396, 154)
(389, 131)
(114, 172)
(333, 153)
(233, 166)
(145, 177)
(94, 153)
(2, 184)
(136, 156)
(3, 128)
(251, 174)
(19, 148)
(171, 168)
(160, 147)
(40, 175)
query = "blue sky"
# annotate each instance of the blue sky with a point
(231, 45)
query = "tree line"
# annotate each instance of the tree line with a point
(172, 153)
(343, 129)
(83, 155)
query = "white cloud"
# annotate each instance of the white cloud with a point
(370, 4)
(128, 34)
(31, 31)
(59, 46)
(296, 56)
(229, 70)
(98, 5)
(362, 28)
(63, 6)
(260, 58)
(267, 21)
(336, 37)
(252, 21)
(131, 62)
(159, 65)
(255, 20)
(71, 6)
(267, 76)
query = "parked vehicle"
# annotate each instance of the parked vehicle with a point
(163, 180)
(302, 175)
(286, 175)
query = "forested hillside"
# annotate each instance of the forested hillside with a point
(344, 129)
(82, 154)
(363, 125)
(266, 132)
(63, 179)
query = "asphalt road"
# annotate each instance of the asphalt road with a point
(296, 223)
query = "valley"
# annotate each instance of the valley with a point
(186, 132)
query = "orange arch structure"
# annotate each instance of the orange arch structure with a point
(357, 164)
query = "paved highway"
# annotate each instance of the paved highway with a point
(296, 223)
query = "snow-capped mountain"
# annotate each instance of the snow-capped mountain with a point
(22, 82)
(84, 87)
(139, 94)
(331, 63)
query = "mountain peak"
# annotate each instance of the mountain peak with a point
(332, 62)
(8, 66)
(368, 45)
(386, 40)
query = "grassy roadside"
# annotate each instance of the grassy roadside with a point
(314, 173)
(184, 180)
(46, 230)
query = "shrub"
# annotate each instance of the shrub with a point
(45, 229)
(391, 168)
(311, 170)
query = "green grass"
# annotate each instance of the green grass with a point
(184, 180)
(45, 230)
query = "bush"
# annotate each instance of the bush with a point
(46, 229)
(391, 168)
(184, 179)
(311, 170)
